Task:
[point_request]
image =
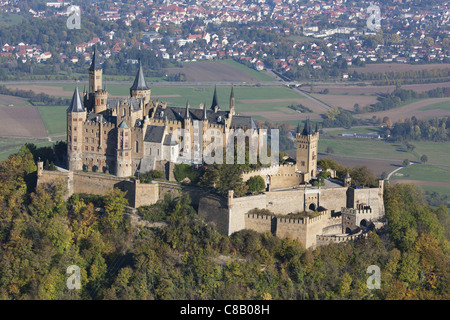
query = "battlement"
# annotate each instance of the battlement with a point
(259, 216)
(323, 239)
(356, 211)
(292, 220)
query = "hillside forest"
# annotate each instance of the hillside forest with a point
(42, 233)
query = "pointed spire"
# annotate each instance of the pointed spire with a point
(307, 128)
(139, 82)
(232, 97)
(214, 103)
(76, 105)
(95, 65)
(205, 117)
(299, 128)
(187, 116)
(317, 127)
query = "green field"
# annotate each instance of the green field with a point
(9, 146)
(261, 75)
(440, 105)
(339, 132)
(424, 172)
(437, 152)
(178, 95)
(55, 119)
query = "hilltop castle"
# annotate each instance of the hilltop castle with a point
(124, 136)
(132, 135)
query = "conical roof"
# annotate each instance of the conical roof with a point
(187, 116)
(139, 82)
(76, 105)
(204, 117)
(95, 65)
(307, 128)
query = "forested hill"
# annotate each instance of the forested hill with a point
(41, 234)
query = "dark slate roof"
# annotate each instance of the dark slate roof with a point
(214, 102)
(139, 81)
(242, 122)
(113, 103)
(76, 105)
(154, 134)
(169, 140)
(105, 118)
(307, 128)
(95, 65)
(179, 113)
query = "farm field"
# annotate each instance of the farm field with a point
(437, 152)
(9, 146)
(346, 102)
(439, 175)
(54, 118)
(354, 89)
(217, 71)
(445, 105)
(415, 108)
(21, 122)
(6, 101)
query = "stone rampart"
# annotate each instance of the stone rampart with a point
(259, 223)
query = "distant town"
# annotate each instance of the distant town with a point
(303, 39)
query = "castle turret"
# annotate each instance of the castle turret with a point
(76, 115)
(307, 142)
(347, 180)
(139, 89)
(123, 163)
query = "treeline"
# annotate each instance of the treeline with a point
(339, 117)
(35, 98)
(361, 175)
(413, 76)
(400, 96)
(42, 234)
(418, 129)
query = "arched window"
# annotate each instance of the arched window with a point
(137, 147)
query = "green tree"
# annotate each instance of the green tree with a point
(424, 158)
(256, 184)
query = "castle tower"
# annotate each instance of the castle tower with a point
(95, 73)
(139, 89)
(100, 100)
(76, 115)
(123, 163)
(307, 142)
(232, 101)
(347, 180)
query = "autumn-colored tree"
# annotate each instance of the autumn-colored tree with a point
(115, 203)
